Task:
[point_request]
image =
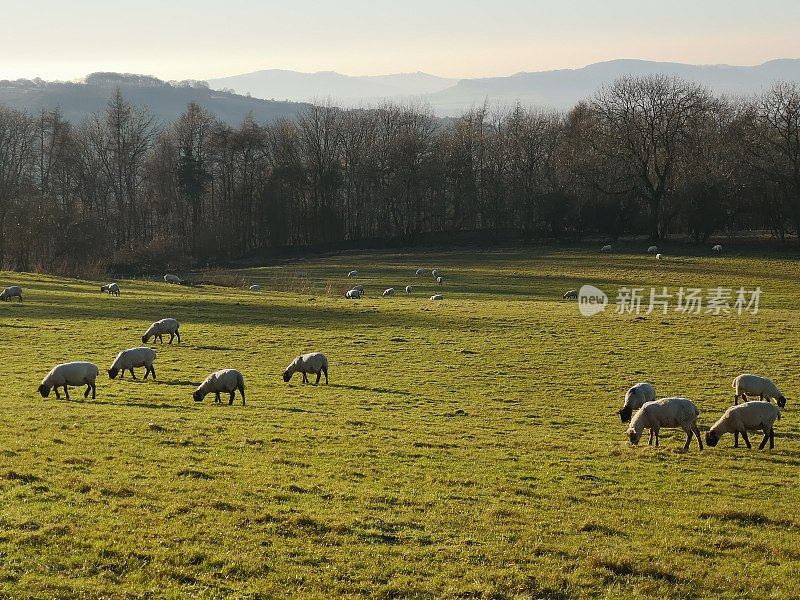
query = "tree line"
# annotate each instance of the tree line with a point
(653, 156)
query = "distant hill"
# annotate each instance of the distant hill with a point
(346, 89)
(166, 100)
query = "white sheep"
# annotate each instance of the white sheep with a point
(225, 380)
(754, 385)
(742, 418)
(409, 289)
(388, 292)
(127, 360)
(172, 279)
(352, 273)
(570, 295)
(636, 397)
(255, 287)
(13, 291)
(314, 362)
(606, 248)
(669, 413)
(440, 280)
(659, 256)
(420, 272)
(717, 248)
(652, 249)
(353, 294)
(71, 373)
(112, 289)
(437, 297)
(159, 328)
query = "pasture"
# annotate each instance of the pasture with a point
(464, 449)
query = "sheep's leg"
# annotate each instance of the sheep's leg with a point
(132, 374)
(697, 434)
(241, 391)
(736, 439)
(305, 377)
(178, 334)
(771, 439)
(171, 337)
(650, 443)
(319, 375)
(688, 440)
(746, 440)
(58, 396)
(233, 395)
(88, 389)
(153, 371)
(764, 441)
(216, 398)
(657, 432)
(325, 370)
(66, 392)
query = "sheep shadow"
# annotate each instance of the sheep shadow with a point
(178, 382)
(147, 405)
(376, 390)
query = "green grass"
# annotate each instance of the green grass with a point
(464, 449)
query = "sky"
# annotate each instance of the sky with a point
(203, 39)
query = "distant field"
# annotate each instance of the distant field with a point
(463, 449)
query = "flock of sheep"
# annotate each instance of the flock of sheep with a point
(654, 250)
(357, 291)
(681, 413)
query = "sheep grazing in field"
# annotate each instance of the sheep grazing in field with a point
(570, 295)
(388, 292)
(314, 362)
(754, 385)
(172, 279)
(353, 294)
(717, 248)
(159, 328)
(742, 418)
(226, 380)
(409, 289)
(440, 280)
(437, 297)
(669, 412)
(636, 397)
(112, 289)
(420, 272)
(434, 273)
(352, 273)
(132, 358)
(606, 248)
(359, 287)
(659, 256)
(652, 249)
(13, 291)
(255, 287)
(72, 373)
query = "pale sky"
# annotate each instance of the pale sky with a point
(177, 39)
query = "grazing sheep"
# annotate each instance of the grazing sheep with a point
(434, 273)
(606, 248)
(669, 412)
(652, 249)
(754, 385)
(133, 357)
(353, 294)
(717, 248)
(437, 297)
(420, 272)
(409, 289)
(159, 328)
(659, 256)
(359, 287)
(314, 362)
(112, 289)
(636, 397)
(226, 380)
(742, 418)
(570, 295)
(72, 373)
(13, 291)
(440, 280)
(352, 273)
(255, 287)
(388, 292)
(172, 279)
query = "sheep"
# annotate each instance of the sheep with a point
(659, 256)
(112, 289)
(225, 380)
(255, 287)
(636, 397)
(754, 385)
(353, 294)
(570, 295)
(717, 248)
(668, 412)
(353, 273)
(172, 279)
(133, 357)
(409, 289)
(434, 273)
(359, 287)
(159, 328)
(440, 280)
(437, 297)
(606, 248)
(420, 272)
(742, 418)
(13, 291)
(71, 373)
(314, 362)
(388, 292)
(652, 249)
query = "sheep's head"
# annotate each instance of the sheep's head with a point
(287, 375)
(781, 401)
(198, 396)
(44, 390)
(634, 436)
(144, 339)
(113, 372)
(712, 439)
(102, 288)
(625, 413)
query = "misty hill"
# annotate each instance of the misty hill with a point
(293, 85)
(166, 100)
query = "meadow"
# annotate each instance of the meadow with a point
(467, 448)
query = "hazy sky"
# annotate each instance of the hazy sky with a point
(176, 39)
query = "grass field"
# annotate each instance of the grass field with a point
(463, 449)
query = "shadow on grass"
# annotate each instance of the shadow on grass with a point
(376, 390)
